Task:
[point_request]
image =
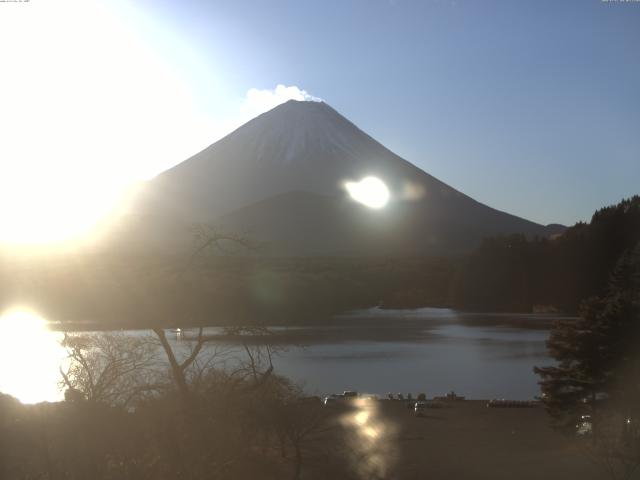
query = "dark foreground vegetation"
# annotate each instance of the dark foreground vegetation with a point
(131, 412)
(231, 432)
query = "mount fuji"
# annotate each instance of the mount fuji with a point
(280, 179)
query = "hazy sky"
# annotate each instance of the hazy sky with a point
(529, 107)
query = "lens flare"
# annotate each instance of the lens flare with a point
(370, 191)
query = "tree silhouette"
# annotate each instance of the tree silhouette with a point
(598, 370)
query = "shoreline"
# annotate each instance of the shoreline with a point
(355, 319)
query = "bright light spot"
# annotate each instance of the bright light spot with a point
(370, 191)
(30, 358)
(370, 432)
(372, 439)
(361, 418)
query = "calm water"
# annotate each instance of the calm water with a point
(375, 351)
(426, 350)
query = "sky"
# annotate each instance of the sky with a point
(531, 107)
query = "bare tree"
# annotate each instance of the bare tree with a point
(209, 239)
(187, 372)
(110, 368)
(257, 351)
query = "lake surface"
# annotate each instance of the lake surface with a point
(375, 351)
(427, 350)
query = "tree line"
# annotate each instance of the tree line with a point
(513, 273)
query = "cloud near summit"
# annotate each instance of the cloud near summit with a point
(255, 102)
(260, 101)
(198, 130)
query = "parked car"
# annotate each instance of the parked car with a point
(330, 401)
(502, 403)
(340, 398)
(584, 426)
(419, 408)
(349, 395)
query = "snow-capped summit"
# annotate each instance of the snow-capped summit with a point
(300, 127)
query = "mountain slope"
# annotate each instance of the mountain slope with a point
(305, 146)
(303, 223)
(281, 177)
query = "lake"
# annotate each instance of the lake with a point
(430, 350)
(426, 350)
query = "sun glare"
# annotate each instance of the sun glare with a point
(370, 191)
(31, 356)
(44, 210)
(88, 107)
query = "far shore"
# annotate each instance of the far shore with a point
(365, 325)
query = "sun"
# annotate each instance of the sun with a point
(90, 106)
(370, 191)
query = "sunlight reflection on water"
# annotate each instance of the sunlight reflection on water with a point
(373, 439)
(30, 357)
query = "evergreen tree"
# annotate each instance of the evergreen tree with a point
(598, 354)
